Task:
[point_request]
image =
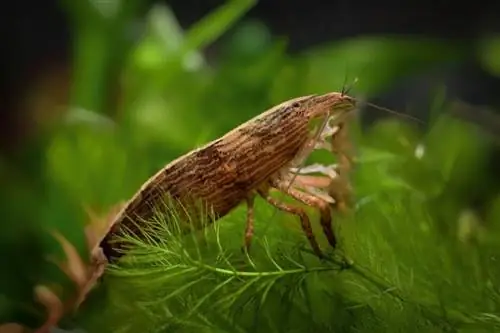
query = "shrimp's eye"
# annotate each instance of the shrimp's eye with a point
(296, 105)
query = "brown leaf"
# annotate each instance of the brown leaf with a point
(84, 275)
(13, 328)
(99, 226)
(54, 306)
(73, 266)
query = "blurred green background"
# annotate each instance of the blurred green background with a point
(135, 106)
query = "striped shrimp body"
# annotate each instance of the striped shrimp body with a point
(251, 160)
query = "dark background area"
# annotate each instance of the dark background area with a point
(36, 35)
(37, 43)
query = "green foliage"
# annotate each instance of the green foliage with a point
(394, 269)
(412, 257)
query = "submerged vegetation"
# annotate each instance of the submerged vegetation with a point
(414, 255)
(399, 266)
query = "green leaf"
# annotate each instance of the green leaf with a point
(377, 61)
(211, 27)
